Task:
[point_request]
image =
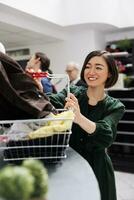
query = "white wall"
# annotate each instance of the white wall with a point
(74, 49)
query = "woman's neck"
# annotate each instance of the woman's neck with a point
(95, 95)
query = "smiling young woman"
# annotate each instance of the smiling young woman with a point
(96, 117)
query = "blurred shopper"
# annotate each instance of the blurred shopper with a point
(96, 117)
(73, 71)
(39, 62)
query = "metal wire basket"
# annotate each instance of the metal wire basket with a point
(18, 144)
(19, 141)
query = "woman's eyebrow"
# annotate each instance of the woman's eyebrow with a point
(99, 64)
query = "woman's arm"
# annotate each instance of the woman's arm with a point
(86, 124)
(104, 130)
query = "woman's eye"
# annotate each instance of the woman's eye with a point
(88, 66)
(99, 67)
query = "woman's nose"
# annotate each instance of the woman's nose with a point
(92, 70)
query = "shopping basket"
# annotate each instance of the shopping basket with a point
(46, 139)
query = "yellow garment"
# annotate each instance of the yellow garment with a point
(56, 124)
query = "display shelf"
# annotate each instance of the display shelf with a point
(120, 54)
(125, 62)
(124, 144)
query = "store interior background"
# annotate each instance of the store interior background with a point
(67, 30)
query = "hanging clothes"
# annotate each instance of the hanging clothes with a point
(20, 97)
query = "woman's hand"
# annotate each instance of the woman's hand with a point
(38, 83)
(72, 103)
(86, 124)
(29, 71)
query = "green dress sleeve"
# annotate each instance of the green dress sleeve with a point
(58, 100)
(106, 128)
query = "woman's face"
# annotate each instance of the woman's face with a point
(96, 72)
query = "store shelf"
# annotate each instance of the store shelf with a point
(123, 144)
(125, 133)
(123, 147)
(126, 122)
(120, 54)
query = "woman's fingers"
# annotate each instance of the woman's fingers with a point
(69, 105)
(72, 98)
(71, 102)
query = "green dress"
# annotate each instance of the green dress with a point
(93, 147)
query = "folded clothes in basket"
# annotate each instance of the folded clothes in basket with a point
(55, 124)
(52, 124)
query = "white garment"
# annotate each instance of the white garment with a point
(75, 81)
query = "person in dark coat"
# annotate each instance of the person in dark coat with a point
(96, 117)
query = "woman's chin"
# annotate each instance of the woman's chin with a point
(92, 84)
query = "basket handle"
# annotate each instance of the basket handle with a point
(53, 76)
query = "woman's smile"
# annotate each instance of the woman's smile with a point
(92, 78)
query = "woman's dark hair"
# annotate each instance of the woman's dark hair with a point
(45, 61)
(112, 68)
